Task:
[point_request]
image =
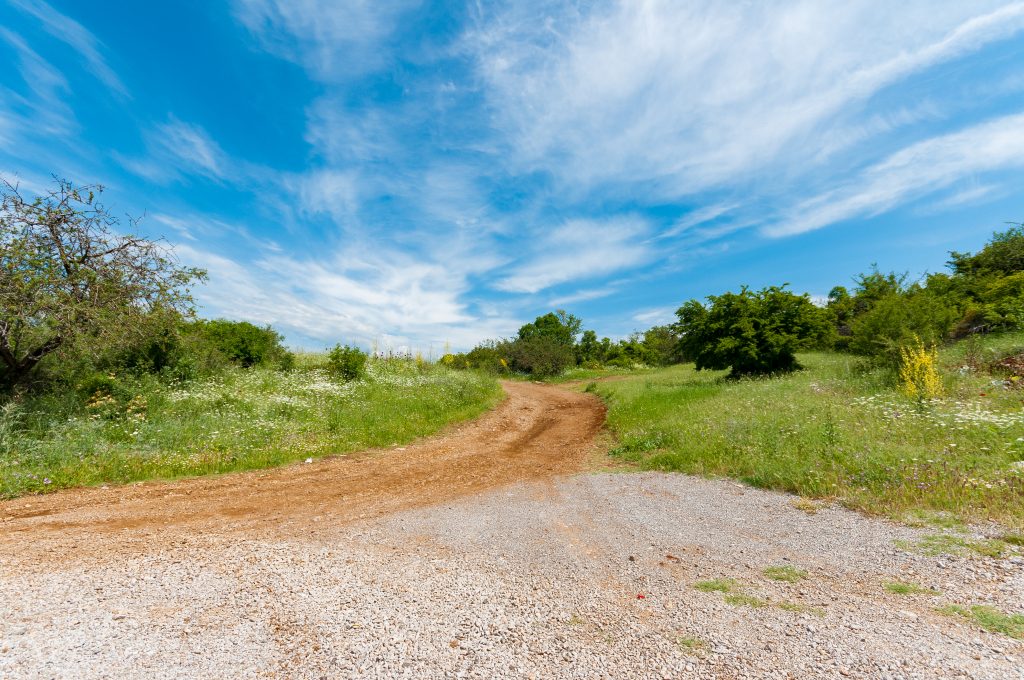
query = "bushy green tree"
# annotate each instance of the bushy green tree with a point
(661, 346)
(752, 333)
(588, 349)
(243, 343)
(346, 363)
(71, 283)
(540, 355)
(897, 318)
(560, 327)
(1002, 255)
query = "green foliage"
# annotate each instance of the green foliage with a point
(558, 327)
(989, 618)
(893, 321)
(753, 333)
(346, 363)
(785, 573)
(125, 427)
(839, 430)
(243, 343)
(717, 585)
(490, 356)
(72, 284)
(540, 355)
(661, 344)
(588, 350)
(1002, 255)
(901, 588)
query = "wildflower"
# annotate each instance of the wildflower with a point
(47, 480)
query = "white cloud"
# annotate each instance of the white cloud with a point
(332, 40)
(656, 316)
(913, 172)
(176, 148)
(71, 32)
(581, 296)
(578, 250)
(697, 217)
(363, 293)
(191, 146)
(330, 191)
(680, 97)
(50, 113)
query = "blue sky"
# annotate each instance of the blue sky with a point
(415, 174)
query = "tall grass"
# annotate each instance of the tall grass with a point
(839, 430)
(142, 428)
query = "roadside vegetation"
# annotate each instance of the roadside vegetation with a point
(898, 397)
(138, 426)
(107, 376)
(840, 429)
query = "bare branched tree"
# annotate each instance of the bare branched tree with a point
(69, 277)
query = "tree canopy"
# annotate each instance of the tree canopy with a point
(70, 279)
(750, 332)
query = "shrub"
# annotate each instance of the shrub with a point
(919, 373)
(750, 332)
(896, 319)
(490, 356)
(243, 343)
(347, 363)
(540, 356)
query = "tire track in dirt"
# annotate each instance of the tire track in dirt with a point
(538, 432)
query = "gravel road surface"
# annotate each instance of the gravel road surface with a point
(493, 561)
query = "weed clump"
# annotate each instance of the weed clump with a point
(347, 363)
(919, 372)
(989, 618)
(785, 573)
(717, 585)
(901, 588)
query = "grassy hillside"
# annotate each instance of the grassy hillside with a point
(839, 430)
(141, 428)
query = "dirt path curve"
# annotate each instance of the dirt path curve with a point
(539, 431)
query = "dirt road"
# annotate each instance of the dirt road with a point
(536, 433)
(474, 554)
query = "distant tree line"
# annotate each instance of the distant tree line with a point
(78, 297)
(554, 342)
(760, 332)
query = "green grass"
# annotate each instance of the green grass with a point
(800, 608)
(1013, 539)
(837, 430)
(901, 588)
(785, 573)
(989, 618)
(745, 600)
(718, 585)
(947, 544)
(692, 645)
(581, 373)
(239, 419)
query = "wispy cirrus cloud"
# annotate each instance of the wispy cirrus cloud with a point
(913, 172)
(75, 35)
(578, 250)
(176, 149)
(46, 109)
(332, 40)
(683, 97)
